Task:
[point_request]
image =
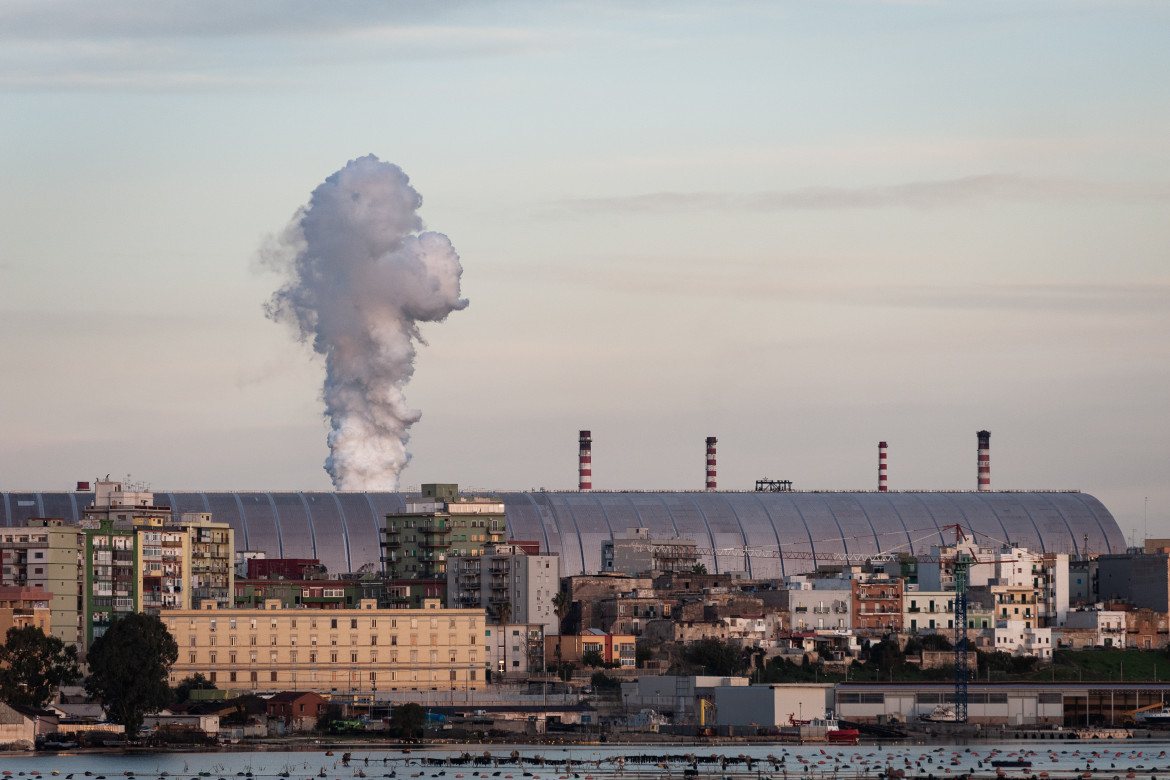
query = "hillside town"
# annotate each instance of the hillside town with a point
(485, 634)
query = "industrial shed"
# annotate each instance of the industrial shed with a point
(735, 531)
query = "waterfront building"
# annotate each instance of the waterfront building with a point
(367, 650)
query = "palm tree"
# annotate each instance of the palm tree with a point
(504, 612)
(561, 606)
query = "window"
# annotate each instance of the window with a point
(353, 622)
(333, 622)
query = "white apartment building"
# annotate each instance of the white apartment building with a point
(928, 611)
(828, 604)
(1096, 628)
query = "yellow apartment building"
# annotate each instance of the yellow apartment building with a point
(363, 650)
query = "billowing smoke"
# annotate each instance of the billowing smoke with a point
(361, 277)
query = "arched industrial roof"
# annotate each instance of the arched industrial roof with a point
(744, 529)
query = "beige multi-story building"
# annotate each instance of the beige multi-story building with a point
(365, 651)
(46, 554)
(213, 550)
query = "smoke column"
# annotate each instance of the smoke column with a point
(361, 276)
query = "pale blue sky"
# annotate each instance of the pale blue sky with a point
(800, 227)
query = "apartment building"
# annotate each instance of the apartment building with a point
(437, 525)
(47, 554)
(365, 650)
(877, 605)
(512, 585)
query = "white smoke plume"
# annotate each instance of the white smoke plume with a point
(361, 276)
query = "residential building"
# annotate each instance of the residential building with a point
(305, 594)
(23, 606)
(367, 650)
(212, 566)
(514, 649)
(572, 648)
(1094, 628)
(827, 604)
(640, 554)
(877, 605)
(438, 524)
(111, 582)
(512, 585)
(124, 508)
(1142, 579)
(296, 710)
(1020, 637)
(47, 554)
(927, 611)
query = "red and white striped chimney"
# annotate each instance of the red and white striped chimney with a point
(984, 461)
(883, 485)
(711, 462)
(585, 461)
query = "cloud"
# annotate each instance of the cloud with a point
(178, 46)
(942, 193)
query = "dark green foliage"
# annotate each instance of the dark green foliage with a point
(33, 665)
(715, 657)
(592, 658)
(196, 682)
(642, 654)
(886, 655)
(331, 713)
(603, 682)
(129, 667)
(699, 568)
(938, 643)
(407, 720)
(783, 670)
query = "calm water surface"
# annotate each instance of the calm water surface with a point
(778, 761)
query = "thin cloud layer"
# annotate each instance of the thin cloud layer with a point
(943, 193)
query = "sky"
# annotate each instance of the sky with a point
(803, 228)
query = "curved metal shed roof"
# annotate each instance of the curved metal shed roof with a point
(745, 529)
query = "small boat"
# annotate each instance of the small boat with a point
(1015, 763)
(940, 714)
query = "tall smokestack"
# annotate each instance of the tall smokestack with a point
(883, 485)
(984, 461)
(711, 462)
(585, 461)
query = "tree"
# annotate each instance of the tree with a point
(33, 665)
(503, 612)
(561, 606)
(699, 568)
(715, 657)
(196, 682)
(128, 669)
(592, 658)
(407, 720)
